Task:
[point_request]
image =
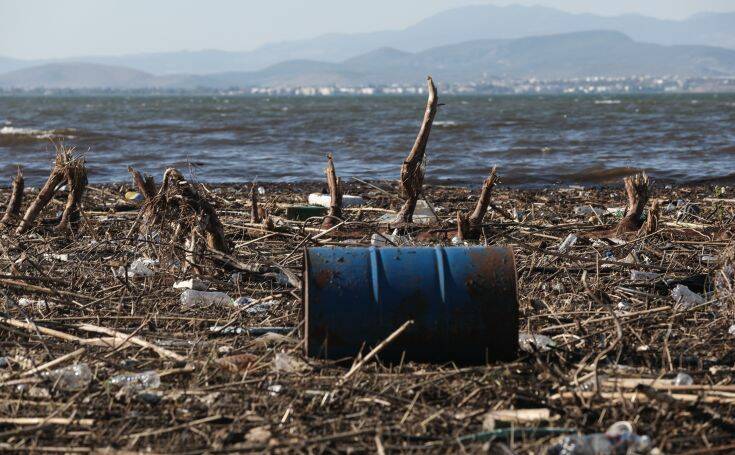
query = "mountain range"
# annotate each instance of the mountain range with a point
(470, 23)
(565, 56)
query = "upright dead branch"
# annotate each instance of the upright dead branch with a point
(470, 227)
(12, 211)
(146, 185)
(638, 190)
(76, 183)
(335, 195)
(66, 167)
(254, 214)
(724, 280)
(412, 170)
(179, 204)
(651, 224)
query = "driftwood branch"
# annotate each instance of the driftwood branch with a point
(412, 170)
(76, 183)
(12, 211)
(335, 196)
(638, 190)
(179, 202)
(66, 167)
(254, 214)
(470, 227)
(651, 225)
(146, 185)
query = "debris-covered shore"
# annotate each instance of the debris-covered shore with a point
(614, 327)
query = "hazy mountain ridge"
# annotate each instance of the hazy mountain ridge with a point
(565, 56)
(470, 23)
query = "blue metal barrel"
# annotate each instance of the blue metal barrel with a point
(463, 301)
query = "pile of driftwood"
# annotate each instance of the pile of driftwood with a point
(626, 301)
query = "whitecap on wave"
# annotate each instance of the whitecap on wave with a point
(34, 133)
(445, 123)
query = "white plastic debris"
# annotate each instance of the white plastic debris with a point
(194, 283)
(421, 215)
(618, 439)
(709, 258)
(683, 379)
(275, 389)
(191, 297)
(137, 381)
(37, 304)
(527, 342)
(68, 379)
(586, 210)
(285, 363)
(59, 257)
(325, 200)
(731, 330)
(685, 298)
(140, 267)
(637, 275)
(261, 191)
(568, 243)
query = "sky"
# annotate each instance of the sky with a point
(31, 29)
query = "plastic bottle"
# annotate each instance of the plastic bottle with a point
(325, 200)
(619, 439)
(527, 342)
(137, 381)
(72, 378)
(191, 298)
(685, 298)
(637, 275)
(140, 267)
(683, 379)
(193, 283)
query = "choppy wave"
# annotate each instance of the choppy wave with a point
(535, 141)
(11, 135)
(446, 123)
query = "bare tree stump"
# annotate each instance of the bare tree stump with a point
(638, 190)
(58, 175)
(463, 226)
(334, 216)
(178, 200)
(12, 211)
(470, 227)
(651, 225)
(412, 170)
(254, 213)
